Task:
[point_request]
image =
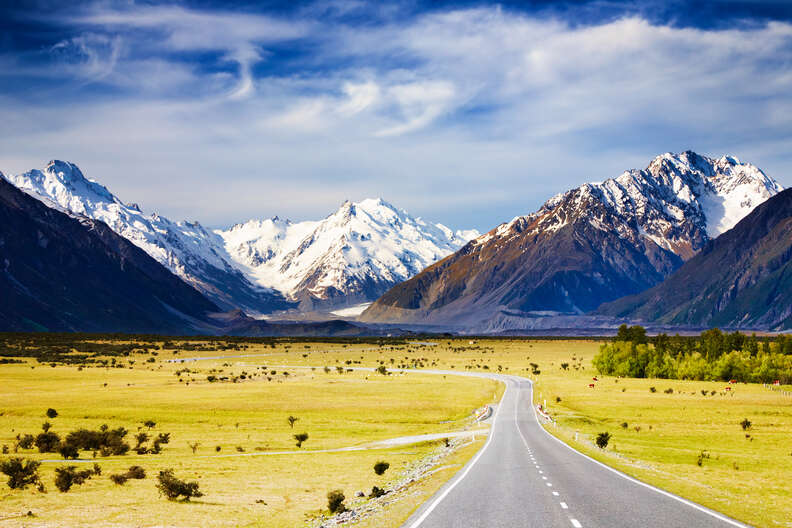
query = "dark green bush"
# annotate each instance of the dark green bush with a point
(66, 477)
(48, 442)
(335, 501)
(21, 472)
(173, 488)
(52, 413)
(376, 492)
(603, 439)
(381, 467)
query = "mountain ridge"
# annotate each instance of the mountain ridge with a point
(226, 265)
(586, 246)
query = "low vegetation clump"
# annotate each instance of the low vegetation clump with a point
(66, 477)
(173, 488)
(134, 472)
(301, 437)
(335, 501)
(376, 492)
(21, 472)
(381, 467)
(603, 439)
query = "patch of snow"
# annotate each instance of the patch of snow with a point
(352, 311)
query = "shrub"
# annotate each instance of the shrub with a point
(150, 424)
(173, 488)
(66, 477)
(194, 446)
(46, 426)
(119, 478)
(746, 424)
(291, 420)
(376, 492)
(134, 472)
(381, 467)
(301, 437)
(21, 472)
(701, 457)
(47, 442)
(652, 389)
(603, 439)
(67, 451)
(669, 391)
(335, 501)
(625, 425)
(51, 413)
(382, 370)
(26, 441)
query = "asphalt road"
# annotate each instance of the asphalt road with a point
(524, 477)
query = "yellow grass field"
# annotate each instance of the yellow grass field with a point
(665, 435)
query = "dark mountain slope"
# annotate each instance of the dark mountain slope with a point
(63, 273)
(741, 279)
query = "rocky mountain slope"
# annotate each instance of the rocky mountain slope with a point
(741, 279)
(590, 245)
(61, 273)
(264, 266)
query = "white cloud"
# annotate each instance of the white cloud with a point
(466, 116)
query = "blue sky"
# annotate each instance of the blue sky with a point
(467, 113)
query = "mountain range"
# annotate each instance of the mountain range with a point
(592, 244)
(689, 240)
(263, 266)
(743, 278)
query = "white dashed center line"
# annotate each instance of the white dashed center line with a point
(564, 505)
(555, 493)
(575, 523)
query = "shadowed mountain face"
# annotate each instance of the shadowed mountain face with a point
(60, 273)
(587, 246)
(741, 279)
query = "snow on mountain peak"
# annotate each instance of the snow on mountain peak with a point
(356, 252)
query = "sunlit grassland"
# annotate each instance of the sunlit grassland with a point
(243, 485)
(745, 477)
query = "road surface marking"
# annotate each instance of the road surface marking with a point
(549, 485)
(698, 507)
(472, 463)
(555, 493)
(544, 478)
(564, 505)
(576, 524)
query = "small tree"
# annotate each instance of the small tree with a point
(52, 413)
(150, 424)
(291, 420)
(603, 439)
(746, 424)
(335, 501)
(26, 441)
(173, 488)
(21, 472)
(301, 437)
(381, 467)
(66, 477)
(48, 442)
(194, 446)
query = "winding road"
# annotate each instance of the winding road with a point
(525, 477)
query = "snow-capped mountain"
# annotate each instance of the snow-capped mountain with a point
(352, 256)
(586, 246)
(189, 250)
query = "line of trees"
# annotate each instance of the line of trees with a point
(714, 355)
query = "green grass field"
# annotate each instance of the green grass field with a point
(665, 434)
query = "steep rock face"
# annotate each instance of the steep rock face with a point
(590, 245)
(352, 256)
(741, 279)
(61, 273)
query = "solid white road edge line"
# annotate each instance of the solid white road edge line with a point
(668, 494)
(472, 463)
